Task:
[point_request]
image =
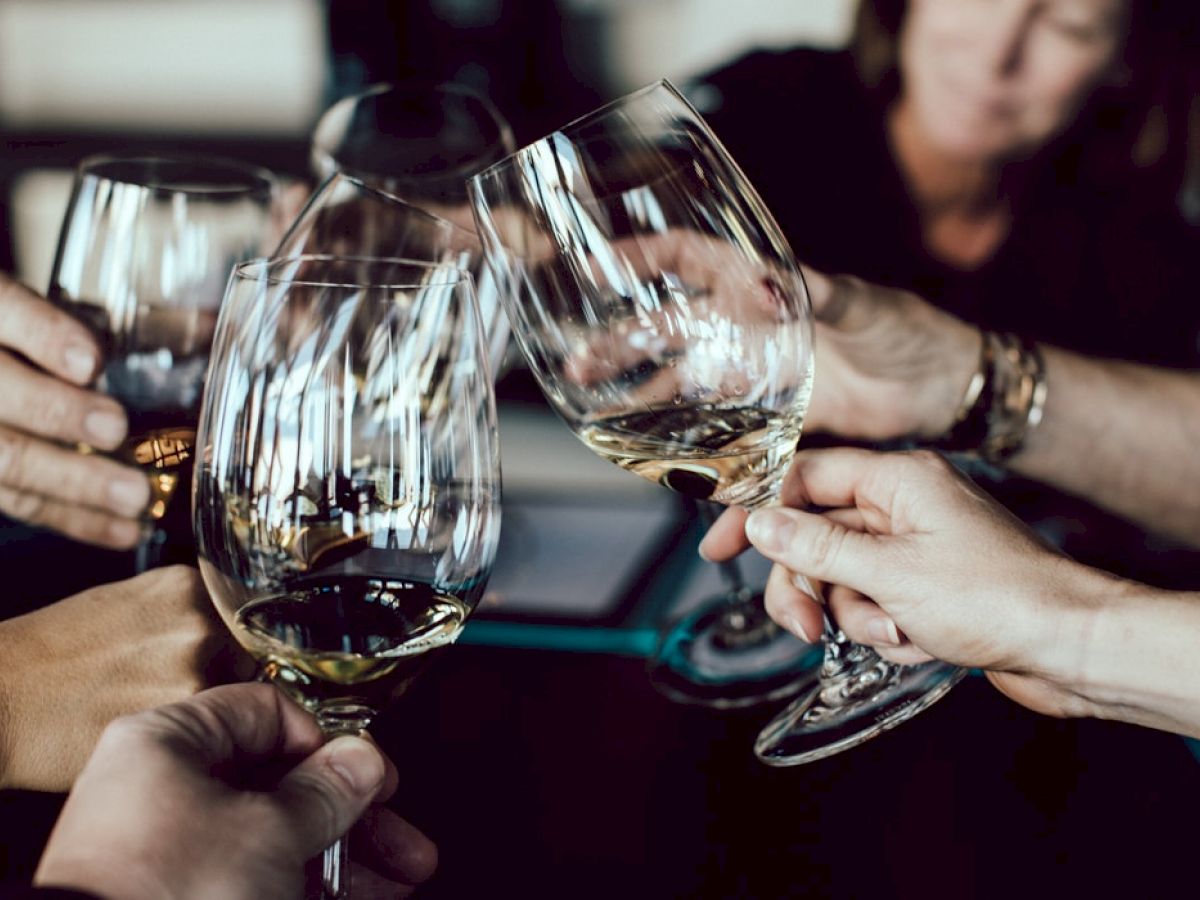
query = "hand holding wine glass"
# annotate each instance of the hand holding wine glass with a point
(146, 246)
(226, 794)
(347, 491)
(47, 360)
(667, 322)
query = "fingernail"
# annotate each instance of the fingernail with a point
(80, 362)
(770, 529)
(792, 624)
(105, 427)
(124, 534)
(129, 494)
(883, 631)
(357, 762)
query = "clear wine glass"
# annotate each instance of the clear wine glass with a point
(347, 488)
(143, 256)
(665, 318)
(413, 139)
(347, 216)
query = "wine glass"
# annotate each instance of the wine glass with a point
(145, 249)
(347, 489)
(347, 216)
(665, 318)
(413, 139)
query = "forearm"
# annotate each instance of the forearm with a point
(1123, 436)
(1139, 662)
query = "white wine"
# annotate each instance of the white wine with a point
(731, 455)
(165, 454)
(350, 639)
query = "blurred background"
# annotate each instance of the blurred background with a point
(249, 79)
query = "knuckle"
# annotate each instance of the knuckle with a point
(823, 546)
(24, 505)
(14, 451)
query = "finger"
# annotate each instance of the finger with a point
(865, 623)
(391, 777)
(817, 546)
(45, 334)
(392, 847)
(237, 723)
(30, 465)
(88, 526)
(323, 796)
(842, 301)
(792, 608)
(44, 405)
(862, 620)
(850, 477)
(726, 538)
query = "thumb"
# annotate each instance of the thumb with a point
(814, 545)
(325, 794)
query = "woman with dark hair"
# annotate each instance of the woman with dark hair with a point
(1016, 164)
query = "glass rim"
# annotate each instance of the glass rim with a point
(264, 264)
(244, 178)
(578, 122)
(391, 197)
(504, 137)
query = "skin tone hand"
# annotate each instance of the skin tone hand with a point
(919, 563)
(228, 794)
(72, 667)
(47, 359)
(890, 365)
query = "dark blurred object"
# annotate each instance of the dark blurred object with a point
(530, 58)
(554, 775)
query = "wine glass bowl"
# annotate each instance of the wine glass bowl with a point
(665, 319)
(347, 216)
(347, 495)
(146, 246)
(415, 139)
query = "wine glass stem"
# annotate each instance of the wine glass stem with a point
(335, 861)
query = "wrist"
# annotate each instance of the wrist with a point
(1136, 660)
(956, 380)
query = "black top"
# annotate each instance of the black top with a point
(1101, 271)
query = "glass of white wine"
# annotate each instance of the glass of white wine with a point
(143, 256)
(665, 318)
(346, 493)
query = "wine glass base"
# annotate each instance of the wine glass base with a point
(819, 725)
(697, 663)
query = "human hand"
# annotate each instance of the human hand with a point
(891, 365)
(227, 795)
(918, 563)
(72, 667)
(46, 360)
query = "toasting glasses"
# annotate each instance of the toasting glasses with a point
(347, 479)
(145, 249)
(665, 318)
(347, 216)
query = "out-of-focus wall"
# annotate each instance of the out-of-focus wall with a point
(182, 66)
(644, 40)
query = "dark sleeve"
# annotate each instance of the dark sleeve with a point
(28, 892)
